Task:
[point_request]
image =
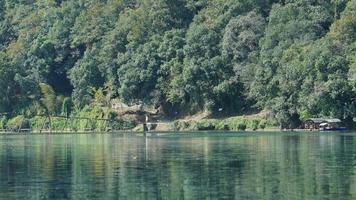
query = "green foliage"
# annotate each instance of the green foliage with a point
(48, 100)
(241, 127)
(294, 58)
(121, 124)
(204, 126)
(101, 99)
(84, 76)
(38, 122)
(232, 124)
(112, 116)
(88, 119)
(254, 124)
(262, 124)
(304, 71)
(8, 86)
(3, 122)
(118, 123)
(67, 106)
(18, 122)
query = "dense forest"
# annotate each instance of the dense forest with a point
(295, 58)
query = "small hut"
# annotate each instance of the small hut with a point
(313, 123)
(321, 123)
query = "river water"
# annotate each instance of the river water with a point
(179, 166)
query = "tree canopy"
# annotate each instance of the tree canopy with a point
(296, 58)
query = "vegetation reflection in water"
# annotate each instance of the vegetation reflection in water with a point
(201, 166)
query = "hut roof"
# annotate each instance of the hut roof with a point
(316, 120)
(334, 120)
(322, 120)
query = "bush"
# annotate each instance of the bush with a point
(234, 123)
(18, 122)
(121, 124)
(93, 113)
(254, 124)
(90, 123)
(205, 126)
(181, 125)
(220, 124)
(3, 121)
(241, 126)
(67, 106)
(175, 126)
(59, 124)
(262, 124)
(38, 122)
(112, 115)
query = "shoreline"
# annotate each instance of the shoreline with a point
(131, 132)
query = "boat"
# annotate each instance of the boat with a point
(331, 127)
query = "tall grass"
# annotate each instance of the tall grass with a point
(3, 122)
(233, 124)
(97, 119)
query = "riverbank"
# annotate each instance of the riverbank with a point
(98, 119)
(89, 119)
(236, 123)
(159, 132)
(107, 121)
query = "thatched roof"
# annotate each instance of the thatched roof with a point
(316, 120)
(323, 120)
(334, 120)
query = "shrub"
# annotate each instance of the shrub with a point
(175, 126)
(222, 125)
(234, 123)
(67, 106)
(121, 124)
(38, 122)
(241, 126)
(185, 124)
(112, 115)
(18, 122)
(59, 124)
(262, 124)
(3, 121)
(254, 124)
(205, 126)
(181, 125)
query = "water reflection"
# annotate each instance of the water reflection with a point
(273, 166)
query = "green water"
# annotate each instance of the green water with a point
(186, 166)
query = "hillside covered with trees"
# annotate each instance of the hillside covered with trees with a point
(295, 58)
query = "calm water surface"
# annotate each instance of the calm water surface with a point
(186, 166)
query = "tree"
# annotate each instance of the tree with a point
(295, 57)
(138, 71)
(291, 24)
(84, 76)
(8, 87)
(241, 44)
(67, 106)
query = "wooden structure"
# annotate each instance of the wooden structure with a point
(317, 123)
(313, 123)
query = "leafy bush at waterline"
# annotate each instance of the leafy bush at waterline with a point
(91, 120)
(233, 124)
(18, 122)
(3, 121)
